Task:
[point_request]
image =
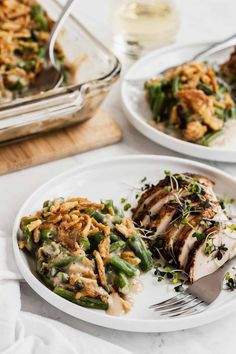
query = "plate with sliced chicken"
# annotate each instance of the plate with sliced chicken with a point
(187, 106)
(104, 242)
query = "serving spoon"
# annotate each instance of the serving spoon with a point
(213, 49)
(51, 75)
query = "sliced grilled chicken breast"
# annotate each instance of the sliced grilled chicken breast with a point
(182, 209)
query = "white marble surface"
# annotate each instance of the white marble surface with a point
(201, 21)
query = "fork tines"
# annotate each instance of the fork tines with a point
(181, 304)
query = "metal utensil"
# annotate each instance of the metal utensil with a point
(213, 49)
(197, 296)
(51, 75)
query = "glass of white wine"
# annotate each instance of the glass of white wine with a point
(143, 25)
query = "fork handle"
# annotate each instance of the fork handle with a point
(215, 47)
(56, 29)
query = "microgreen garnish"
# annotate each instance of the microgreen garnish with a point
(127, 206)
(199, 236)
(179, 288)
(167, 188)
(171, 275)
(143, 179)
(220, 251)
(173, 180)
(230, 281)
(145, 187)
(123, 200)
(211, 248)
(232, 227)
(224, 202)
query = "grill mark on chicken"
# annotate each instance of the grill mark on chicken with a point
(187, 243)
(154, 208)
(147, 196)
(142, 211)
(181, 239)
(161, 221)
(169, 240)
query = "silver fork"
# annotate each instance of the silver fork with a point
(197, 296)
(213, 49)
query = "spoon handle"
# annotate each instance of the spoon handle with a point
(215, 47)
(56, 29)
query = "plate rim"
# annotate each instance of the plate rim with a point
(94, 316)
(161, 138)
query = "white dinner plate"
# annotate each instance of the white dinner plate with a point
(116, 178)
(139, 113)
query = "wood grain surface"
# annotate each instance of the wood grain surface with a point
(99, 131)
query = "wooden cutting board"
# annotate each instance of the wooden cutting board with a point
(99, 131)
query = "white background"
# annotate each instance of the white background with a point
(202, 20)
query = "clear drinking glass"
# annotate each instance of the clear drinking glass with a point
(143, 25)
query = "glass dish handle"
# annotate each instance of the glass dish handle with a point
(41, 109)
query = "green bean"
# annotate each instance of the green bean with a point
(117, 219)
(41, 53)
(60, 200)
(39, 17)
(17, 85)
(136, 244)
(219, 112)
(157, 107)
(95, 239)
(110, 204)
(47, 204)
(39, 264)
(206, 89)
(109, 273)
(122, 283)
(67, 294)
(230, 113)
(84, 243)
(46, 234)
(176, 84)
(94, 303)
(122, 265)
(153, 90)
(96, 215)
(117, 246)
(164, 82)
(114, 237)
(47, 281)
(25, 222)
(29, 65)
(27, 234)
(147, 85)
(208, 138)
(28, 237)
(64, 262)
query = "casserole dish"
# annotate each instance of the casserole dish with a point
(97, 69)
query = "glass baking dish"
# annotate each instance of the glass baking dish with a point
(98, 68)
